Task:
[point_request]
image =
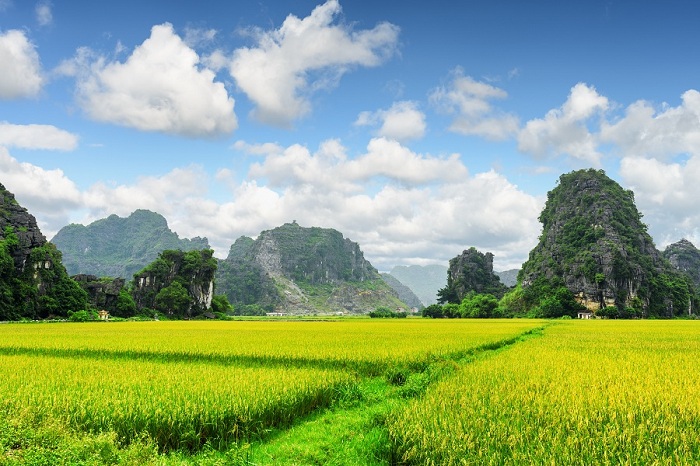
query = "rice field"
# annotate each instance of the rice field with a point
(488, 392)
(184, 385)
(586, 392)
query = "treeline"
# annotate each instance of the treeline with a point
(542, 299)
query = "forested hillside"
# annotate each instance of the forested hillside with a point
(119, 247)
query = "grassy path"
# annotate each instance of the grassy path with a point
(354, 431)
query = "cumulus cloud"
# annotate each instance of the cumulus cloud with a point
(36, 137)
(564, 131)
(160, 87)
(304, 55)
(469, 101)
(49, 195)
(331, 168)
(667, 194)
(44, 16)
(20, 69)
(431, 211)
(646, 132)
(402, 122)
(392, 201)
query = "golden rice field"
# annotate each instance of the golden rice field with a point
(186, 384)
(514, 392)
(586, 392)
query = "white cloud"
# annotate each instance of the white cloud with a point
(49, 195)
(392, 201)
(304, 55)
(197, 36)
(644, 132)
(469, 101)
(44, 16)
(331, 168)
(667, 194)
(417, 219)
(36, 137)
(563, 131)
(402, 122)
(160, 87)
(20, 69)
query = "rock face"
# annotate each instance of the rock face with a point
(685, 257)
(423, 280)
(301, 270)
(404, 292)
(594, 242)
(119, 247)
(179, 284)
(24, 226)
(33, 282)
(471, 271)
(103, 293)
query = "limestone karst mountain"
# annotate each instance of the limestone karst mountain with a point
(594, 243)
(405, 293)
(33, 281)
(119, 247)
(423, 280)
(471, 271)
(684, 256)
(293, 269)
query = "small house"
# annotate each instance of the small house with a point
(585, 315)
(103, 315)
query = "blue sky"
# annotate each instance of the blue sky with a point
(418, 129)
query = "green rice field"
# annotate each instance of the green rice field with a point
(351, 391)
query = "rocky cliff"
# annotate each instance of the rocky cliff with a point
(33, 281)
(179, 284)
(103, 293)
(685, 257)
(302, 270)
(471, 271)
(119, 247)
(594, 243)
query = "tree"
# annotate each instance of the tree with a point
(173, 300)
(126, 306)
(478, 305)
(220, 304)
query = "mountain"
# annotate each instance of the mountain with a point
(471, 271)
(405, 293)
(508, 277)
(33, 281)
(179, 284)
(119, 247)
(423, 280)
(594, 244)
(298, 270)
(684, 256)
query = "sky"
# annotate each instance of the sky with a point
(418, 129)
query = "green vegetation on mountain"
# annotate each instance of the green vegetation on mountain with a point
(179, 284)
(685, 257)
(301, 270)
(595, 246)
(470, 272)
(119, 247)
(33, 282)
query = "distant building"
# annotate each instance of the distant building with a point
(585, 315)
(103, 315)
